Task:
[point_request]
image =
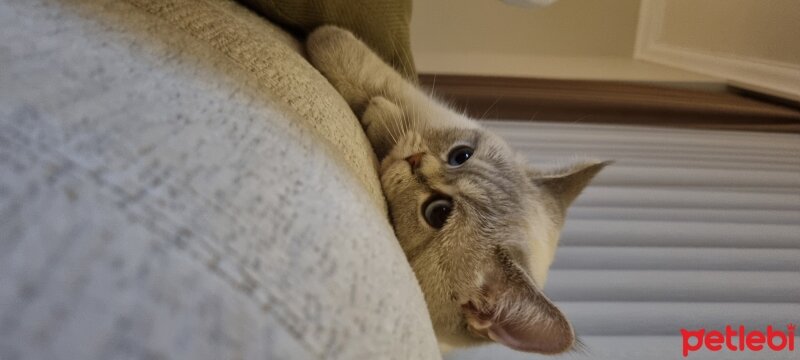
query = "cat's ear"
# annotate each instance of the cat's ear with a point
(566, 184)
(512, 311)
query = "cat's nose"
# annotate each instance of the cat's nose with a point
(415, 160)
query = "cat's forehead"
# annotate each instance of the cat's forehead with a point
(492, 189)
(484, 142)
(442, 139)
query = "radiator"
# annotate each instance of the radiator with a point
(688, 229)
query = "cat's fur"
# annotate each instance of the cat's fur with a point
(482, 273)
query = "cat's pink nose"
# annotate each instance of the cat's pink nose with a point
(415, 160)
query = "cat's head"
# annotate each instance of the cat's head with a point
(480, 229)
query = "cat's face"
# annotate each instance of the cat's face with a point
(480, 230)
(478, 227)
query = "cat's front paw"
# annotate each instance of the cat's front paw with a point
(325, 39)
(341, 58)
(333, 50)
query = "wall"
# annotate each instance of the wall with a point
(578, 39)
(567, 28)
(757, 29)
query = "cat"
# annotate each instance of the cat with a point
(478, 226)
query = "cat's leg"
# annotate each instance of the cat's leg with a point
(354, 70)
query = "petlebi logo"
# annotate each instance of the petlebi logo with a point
(738, 339)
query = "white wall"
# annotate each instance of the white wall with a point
(567, 28)
(579, 39)
(757, 29)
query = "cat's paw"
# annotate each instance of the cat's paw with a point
(334, 51)
(342, 59)
(324, 39)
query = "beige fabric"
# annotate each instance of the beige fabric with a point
(274, 58)
(383, 25)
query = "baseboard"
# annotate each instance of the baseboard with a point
(777, 79)
(582, 101)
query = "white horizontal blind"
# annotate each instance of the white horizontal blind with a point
(688, 229)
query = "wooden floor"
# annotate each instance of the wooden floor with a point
(582, 101)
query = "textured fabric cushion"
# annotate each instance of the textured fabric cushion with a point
(177, 182)
(274, 59)
(383, 25)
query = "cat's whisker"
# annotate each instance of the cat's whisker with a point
(580, 347)
(398, 122)
(410, 122)
(490, 107)
(393, 128)
(404, 118)
(402, 52)
(389, 131)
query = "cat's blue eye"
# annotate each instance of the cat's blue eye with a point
(459, 155)
(437, 210)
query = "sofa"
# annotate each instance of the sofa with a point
(178, 182)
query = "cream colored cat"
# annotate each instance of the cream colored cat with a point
(478, 226)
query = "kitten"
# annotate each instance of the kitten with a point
(478, 226)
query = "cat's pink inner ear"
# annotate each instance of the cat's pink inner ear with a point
(534, 336)
(523, 319)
